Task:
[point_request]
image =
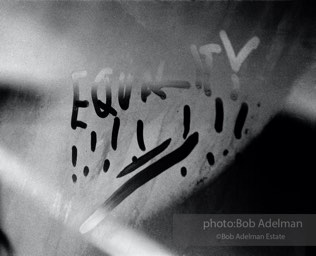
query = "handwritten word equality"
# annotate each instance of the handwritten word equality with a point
(149, 85)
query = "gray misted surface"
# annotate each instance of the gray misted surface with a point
(135, 106)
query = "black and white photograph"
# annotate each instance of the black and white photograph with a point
(157, 127)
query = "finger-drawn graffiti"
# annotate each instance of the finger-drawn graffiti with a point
(149, 85)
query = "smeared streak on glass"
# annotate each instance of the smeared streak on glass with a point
(219, 116)
(124, 96)
(103, 158)
(74, 153)
(138, 162)
(151, 172)
(145, 92)
(236, 87)
(93, 140)
(156, 87)
(115, 131)
(178, 84)
(198, 66)
(20, 93)
(186, 120)
(5, 243)
(140, 135)
(208, 50)
(207, 84)
(240, 121)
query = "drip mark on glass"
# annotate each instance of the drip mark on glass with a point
(240, 121)
(74, 155)
(199, 66)
(140, 135)
(207, 84)
(219, 116)
(93, 140)
(124, 92)
(186, 121)
(234, 95)
(115, 131)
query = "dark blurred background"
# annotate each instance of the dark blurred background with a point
(274, 174)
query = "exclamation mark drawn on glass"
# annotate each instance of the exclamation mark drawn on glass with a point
(115, 131)
(186, 120)
(140, 135)
(219, 115)
(186, 130)
(241, 119)
(106, 165)
(93, 140)
(74, 154)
